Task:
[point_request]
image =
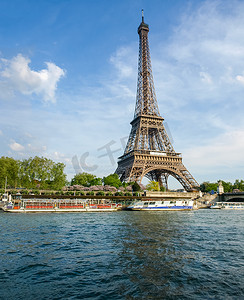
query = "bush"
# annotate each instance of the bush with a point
(113, 180)
(24, 192)
(100, 193)
(136, 194)
(119, 194)
(12, 192)
(70, 193)
(90, 193)
(109, 194)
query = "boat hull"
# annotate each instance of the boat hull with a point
(161, 209)
(58, 210)
(161, 205)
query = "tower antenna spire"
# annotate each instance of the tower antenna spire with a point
(142, 15)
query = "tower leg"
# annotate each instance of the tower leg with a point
(159, 178)
(165, 177)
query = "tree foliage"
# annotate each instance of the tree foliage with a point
(125, 184)
(86, 179)
(239, 184)
(228, 186)
(113, 180)
(37, 172)
(208, 186)
(162, 189)
(97, 181)
(136, 187)
(9, 168)
(41, 172)
(153, 186)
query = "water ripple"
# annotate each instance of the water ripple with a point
(126, 255)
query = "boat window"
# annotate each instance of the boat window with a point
(152, 203)
(145, 203)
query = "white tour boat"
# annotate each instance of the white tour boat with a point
(228, 205)
(180, 204)
(60, 205)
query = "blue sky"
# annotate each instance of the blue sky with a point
(68, 75)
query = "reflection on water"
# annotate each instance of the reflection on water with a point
(123, 255)
(152, 255)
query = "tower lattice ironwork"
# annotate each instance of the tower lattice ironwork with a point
(149, 151)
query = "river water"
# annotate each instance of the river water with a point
(122, 255)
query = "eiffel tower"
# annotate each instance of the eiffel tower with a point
(149, 151)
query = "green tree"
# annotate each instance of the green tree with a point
(58, 178)
(239, 184)
(84, 179)
(153, 186)
(208, 187)
(125, 184)
(136, 187)
(9, 168)
(162, 189)
(96, 181)
(41, 172)
(228, 186)
(113, 180)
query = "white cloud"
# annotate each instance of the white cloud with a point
(240, 79)
(198, 71)
(227, 149)
(208, 42)
(220, 157)
(124, 61)
(1, 133)
(122, 84)
(57, 156)
(16, 146)
(17, 76)
(36, 149)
